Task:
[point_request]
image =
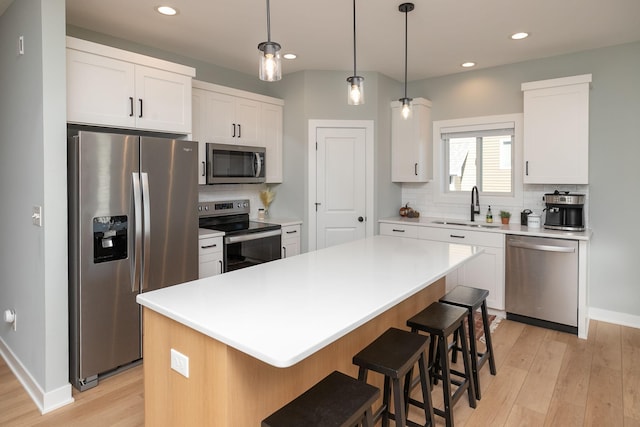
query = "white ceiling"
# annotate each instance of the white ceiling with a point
(442, 33)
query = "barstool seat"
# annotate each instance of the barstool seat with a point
(440, 321)
(336, 401)
(472, 299)
(394, 354)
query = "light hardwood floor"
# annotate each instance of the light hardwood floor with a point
(545, 378)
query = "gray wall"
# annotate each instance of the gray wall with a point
(614, 150)
(33, 172)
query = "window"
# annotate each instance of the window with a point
(480, 158)
(482, 152)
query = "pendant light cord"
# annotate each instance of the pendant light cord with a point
(354, 37)
(406, 37)
(268, 23)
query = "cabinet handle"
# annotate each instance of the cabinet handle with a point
(204, 169)
(395, 230)
(209, 246)
(140, 99)
(415, 169)
(239, 131)
(131, 106)
(291, 232)
(456, 236)
(234, 130)
(221, 266)
(284, 249)
(527, 168)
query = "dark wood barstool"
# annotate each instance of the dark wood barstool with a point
(336, 401)
(473, 299)
(394, 354)
(440, 321)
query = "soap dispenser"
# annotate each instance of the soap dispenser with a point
(489, 215)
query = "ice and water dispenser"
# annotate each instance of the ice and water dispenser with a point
(109, 238)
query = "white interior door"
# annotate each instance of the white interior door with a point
(341, 207)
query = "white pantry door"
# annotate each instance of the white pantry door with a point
(341, 208)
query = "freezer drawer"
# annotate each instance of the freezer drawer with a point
(541, 281)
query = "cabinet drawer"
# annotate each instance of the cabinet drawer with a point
(291, 232)
(455, 235)
(209, 245)
(398, 230)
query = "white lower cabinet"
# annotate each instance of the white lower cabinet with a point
(210, 252)
(486, 271)
(290, 241)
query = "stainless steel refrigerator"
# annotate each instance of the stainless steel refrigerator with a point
(133, 227)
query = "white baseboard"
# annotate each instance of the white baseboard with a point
(45, 401)
(617, 318)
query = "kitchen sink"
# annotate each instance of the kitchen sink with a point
(467, 224)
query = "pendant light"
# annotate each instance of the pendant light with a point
(270, 63)
(356, 83)
(406, 102)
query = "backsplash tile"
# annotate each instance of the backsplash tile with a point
(420, 197)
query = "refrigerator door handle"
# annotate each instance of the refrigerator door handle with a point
(137, 248)
(146, 251)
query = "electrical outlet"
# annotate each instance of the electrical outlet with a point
(180, 363)
(36, 216)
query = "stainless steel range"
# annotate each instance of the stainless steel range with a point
(246, 243)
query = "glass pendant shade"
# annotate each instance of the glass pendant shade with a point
(270, 62)
(355, 90)
(406, 108)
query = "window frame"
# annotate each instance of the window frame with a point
(441, 193)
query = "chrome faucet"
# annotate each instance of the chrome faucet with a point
(475, 203)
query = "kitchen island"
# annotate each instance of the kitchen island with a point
(258, 337)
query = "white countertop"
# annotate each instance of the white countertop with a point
(205, 233)
(498, 227)
(283, 311)
(285, 222)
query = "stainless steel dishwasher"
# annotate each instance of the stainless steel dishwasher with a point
(541, 282)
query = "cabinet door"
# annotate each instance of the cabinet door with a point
(411, 147)
(556, 135)
(199, 123)
(220, 116)
(486, 271)
(271, 119)
(247, 122)
(163, 100)
(100, 90)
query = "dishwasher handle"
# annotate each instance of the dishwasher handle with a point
(545, 248)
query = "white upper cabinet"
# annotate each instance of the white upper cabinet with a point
(224, 115)
(233, 120)
(556, 131)
(115, 88)
(412, 143)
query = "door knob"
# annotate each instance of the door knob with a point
(360, 219)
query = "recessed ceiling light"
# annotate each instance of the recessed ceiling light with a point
(166, 10)
(519, 36)
(289, 56)
(468, 64)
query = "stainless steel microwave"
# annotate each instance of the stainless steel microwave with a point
(235, 164)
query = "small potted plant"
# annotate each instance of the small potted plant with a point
(504, 216)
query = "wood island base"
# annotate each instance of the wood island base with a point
(229, 388)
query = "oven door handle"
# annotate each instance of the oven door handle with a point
(251, 236)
